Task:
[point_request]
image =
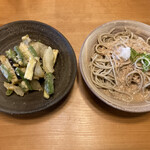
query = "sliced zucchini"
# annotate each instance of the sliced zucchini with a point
(24, 49)
(21, 59)
(6, 73)
(30, 69)
(48, 84)
(32, 51)
(6, 63)
(12, 55)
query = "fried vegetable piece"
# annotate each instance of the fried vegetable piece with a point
(12, 55)
(48, 60)
(14, 88)
(21, 59)
(38, 71)
(26, 60)
(32, 56)
(6, 73)
(9, 92)
(26, 39)
(8, 66)
(23, 70)
(48, 64)
(32, 51)
(24, 47)
(55, 52)
(41, 51)
(30, 69)
(46, 95)
(21, 74)
(36, 85)
(24, 50)
(24, 86)
(48, 85)
(15, 65)
(39, 48)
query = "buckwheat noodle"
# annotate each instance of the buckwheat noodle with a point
(122, 79)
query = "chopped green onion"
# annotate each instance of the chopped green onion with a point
(142, 58)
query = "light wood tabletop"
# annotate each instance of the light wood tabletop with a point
(80, 123)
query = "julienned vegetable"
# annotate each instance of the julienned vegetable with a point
(30, 61)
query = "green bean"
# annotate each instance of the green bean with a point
(6, 72)
(49, 83)
(21, 74)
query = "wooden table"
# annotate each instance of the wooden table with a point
(79, 123)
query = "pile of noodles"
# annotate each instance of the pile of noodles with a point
(121, 78)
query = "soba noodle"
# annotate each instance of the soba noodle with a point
(122, 78)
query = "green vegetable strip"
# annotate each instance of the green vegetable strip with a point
(12, 55)
(6, 72)
(145, 66)
(49, 83)
(32, 51)
(145, 57)
(19, 55)
(135, 55)
(21, 74)
(9, 92)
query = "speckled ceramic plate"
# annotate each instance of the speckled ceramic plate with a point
(138, 28)
(65, 68)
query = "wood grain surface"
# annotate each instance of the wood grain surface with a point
(80, 123)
